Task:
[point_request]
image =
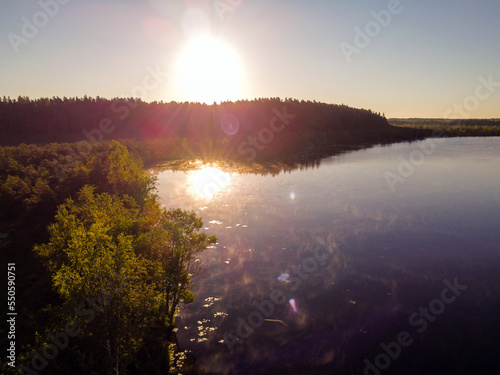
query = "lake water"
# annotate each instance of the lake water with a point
(318, 270)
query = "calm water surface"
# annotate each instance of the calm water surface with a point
(358, 258)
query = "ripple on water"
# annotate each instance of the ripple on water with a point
(283, 277)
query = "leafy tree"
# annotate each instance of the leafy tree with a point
(139, 261)
(89, 254)
(184, 243)
(126, 175)
(171, 239)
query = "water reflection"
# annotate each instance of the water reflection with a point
(207, 181)
(392, 253)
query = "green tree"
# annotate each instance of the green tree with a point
(126, 174)
(90, 253)
(173, 238)
(184, 243)
(139, 261)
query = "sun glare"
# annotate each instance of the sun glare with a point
(208, 70)
(207, 182)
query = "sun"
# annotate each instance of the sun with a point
(208, 70)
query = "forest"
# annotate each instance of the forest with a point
(102, 265)
(270, 127)
(452, 127)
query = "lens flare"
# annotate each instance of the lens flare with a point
(230, 124)
(291, 301)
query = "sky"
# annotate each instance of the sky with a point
(407, 58)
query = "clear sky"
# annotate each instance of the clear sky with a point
(420, 58)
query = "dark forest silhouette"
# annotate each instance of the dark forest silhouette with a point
(183, 130)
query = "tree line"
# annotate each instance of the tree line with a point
(102, 267)
(452, 127)
(184, 130)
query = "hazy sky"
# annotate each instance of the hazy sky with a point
(420, 58)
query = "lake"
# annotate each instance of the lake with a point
(382, 260)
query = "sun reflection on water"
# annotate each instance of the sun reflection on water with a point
(207, 182)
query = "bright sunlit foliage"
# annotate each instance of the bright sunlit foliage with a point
(208, 70)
